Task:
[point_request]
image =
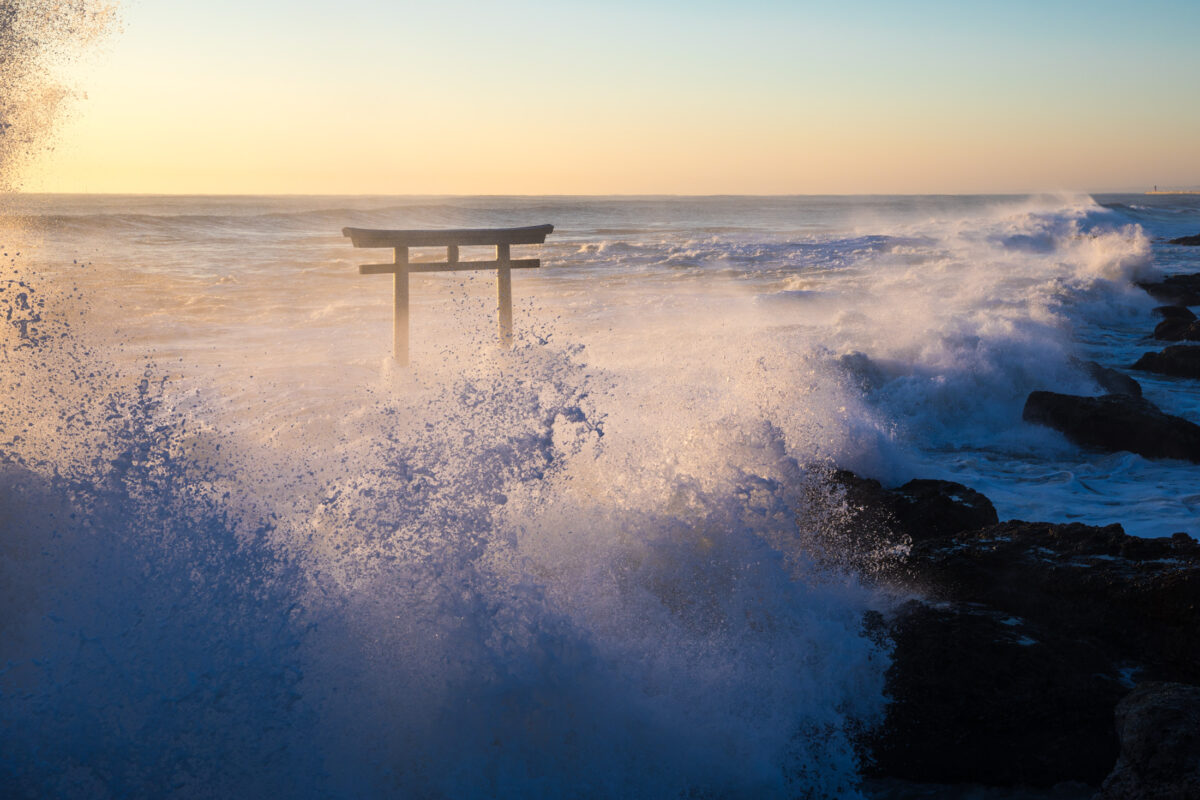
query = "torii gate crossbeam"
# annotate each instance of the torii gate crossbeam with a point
(451, 239)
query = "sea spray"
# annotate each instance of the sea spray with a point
(37, 38)
(447, 597)
(151, 638)
(609, 562)
(546, 630)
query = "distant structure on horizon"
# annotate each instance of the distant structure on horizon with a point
(1156, 190)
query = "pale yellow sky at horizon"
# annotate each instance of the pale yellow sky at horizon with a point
(258, 99)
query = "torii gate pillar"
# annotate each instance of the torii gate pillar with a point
(401, 241)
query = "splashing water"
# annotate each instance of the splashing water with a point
(465, 584)
(239, 559)
(242, 558)
(492, 578)
(36, 38)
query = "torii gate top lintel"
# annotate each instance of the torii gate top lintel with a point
(451, 239)
(463, 237)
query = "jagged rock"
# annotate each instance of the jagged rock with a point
(1180, 360)
(862, 370)
(1192, 241)
(1179, 290)
(1141, 596)
(1177, 329)
(871, 507)
(1175, 312)
(1008, 673)
(1116, 422)
(1158, 725)
(1178, 295)
(1110, 380)
(930, 508)
(920, 509)
(979, 699)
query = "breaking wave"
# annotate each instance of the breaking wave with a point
(479, 585)
(243, 554)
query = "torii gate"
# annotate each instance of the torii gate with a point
(451, 239)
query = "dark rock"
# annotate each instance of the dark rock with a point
(977, 699)
(863, 520)
(1159, 729)
(1192, 241)
(1178, 290)
(1175, 312)
(1176, 329)
(869, 504)
(1009, 672)
(1116, 422)
(920, 509)
(1180, 360)
(1139, 596)
(1177, 295)
(862, 370)
(896, 789)
(930, 508)
(1110, 380)
(1186, 280)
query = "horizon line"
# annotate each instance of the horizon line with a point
(1030, 193)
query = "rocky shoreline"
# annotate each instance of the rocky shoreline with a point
(1035, 659)
(1014, 642)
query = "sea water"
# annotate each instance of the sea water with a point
(244, 553)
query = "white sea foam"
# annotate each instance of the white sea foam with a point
(266, 570)
(607, 564)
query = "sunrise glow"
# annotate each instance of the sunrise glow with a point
(660, 97)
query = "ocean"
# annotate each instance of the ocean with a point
(244, 553)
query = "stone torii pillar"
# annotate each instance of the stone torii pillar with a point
(451, 239)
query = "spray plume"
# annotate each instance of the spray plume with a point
(37, 39)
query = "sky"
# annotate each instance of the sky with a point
(624, 97)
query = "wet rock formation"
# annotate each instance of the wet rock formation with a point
(919, 509)
(1177, 290)
(1177, 324)
(1116, 422)
(1158, 725)
(1177, 329)
(1009, 671)
(1020, 639)
(1180, 312)
(1110, 380)
(1179, 360)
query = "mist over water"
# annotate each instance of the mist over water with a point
(245, 554)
